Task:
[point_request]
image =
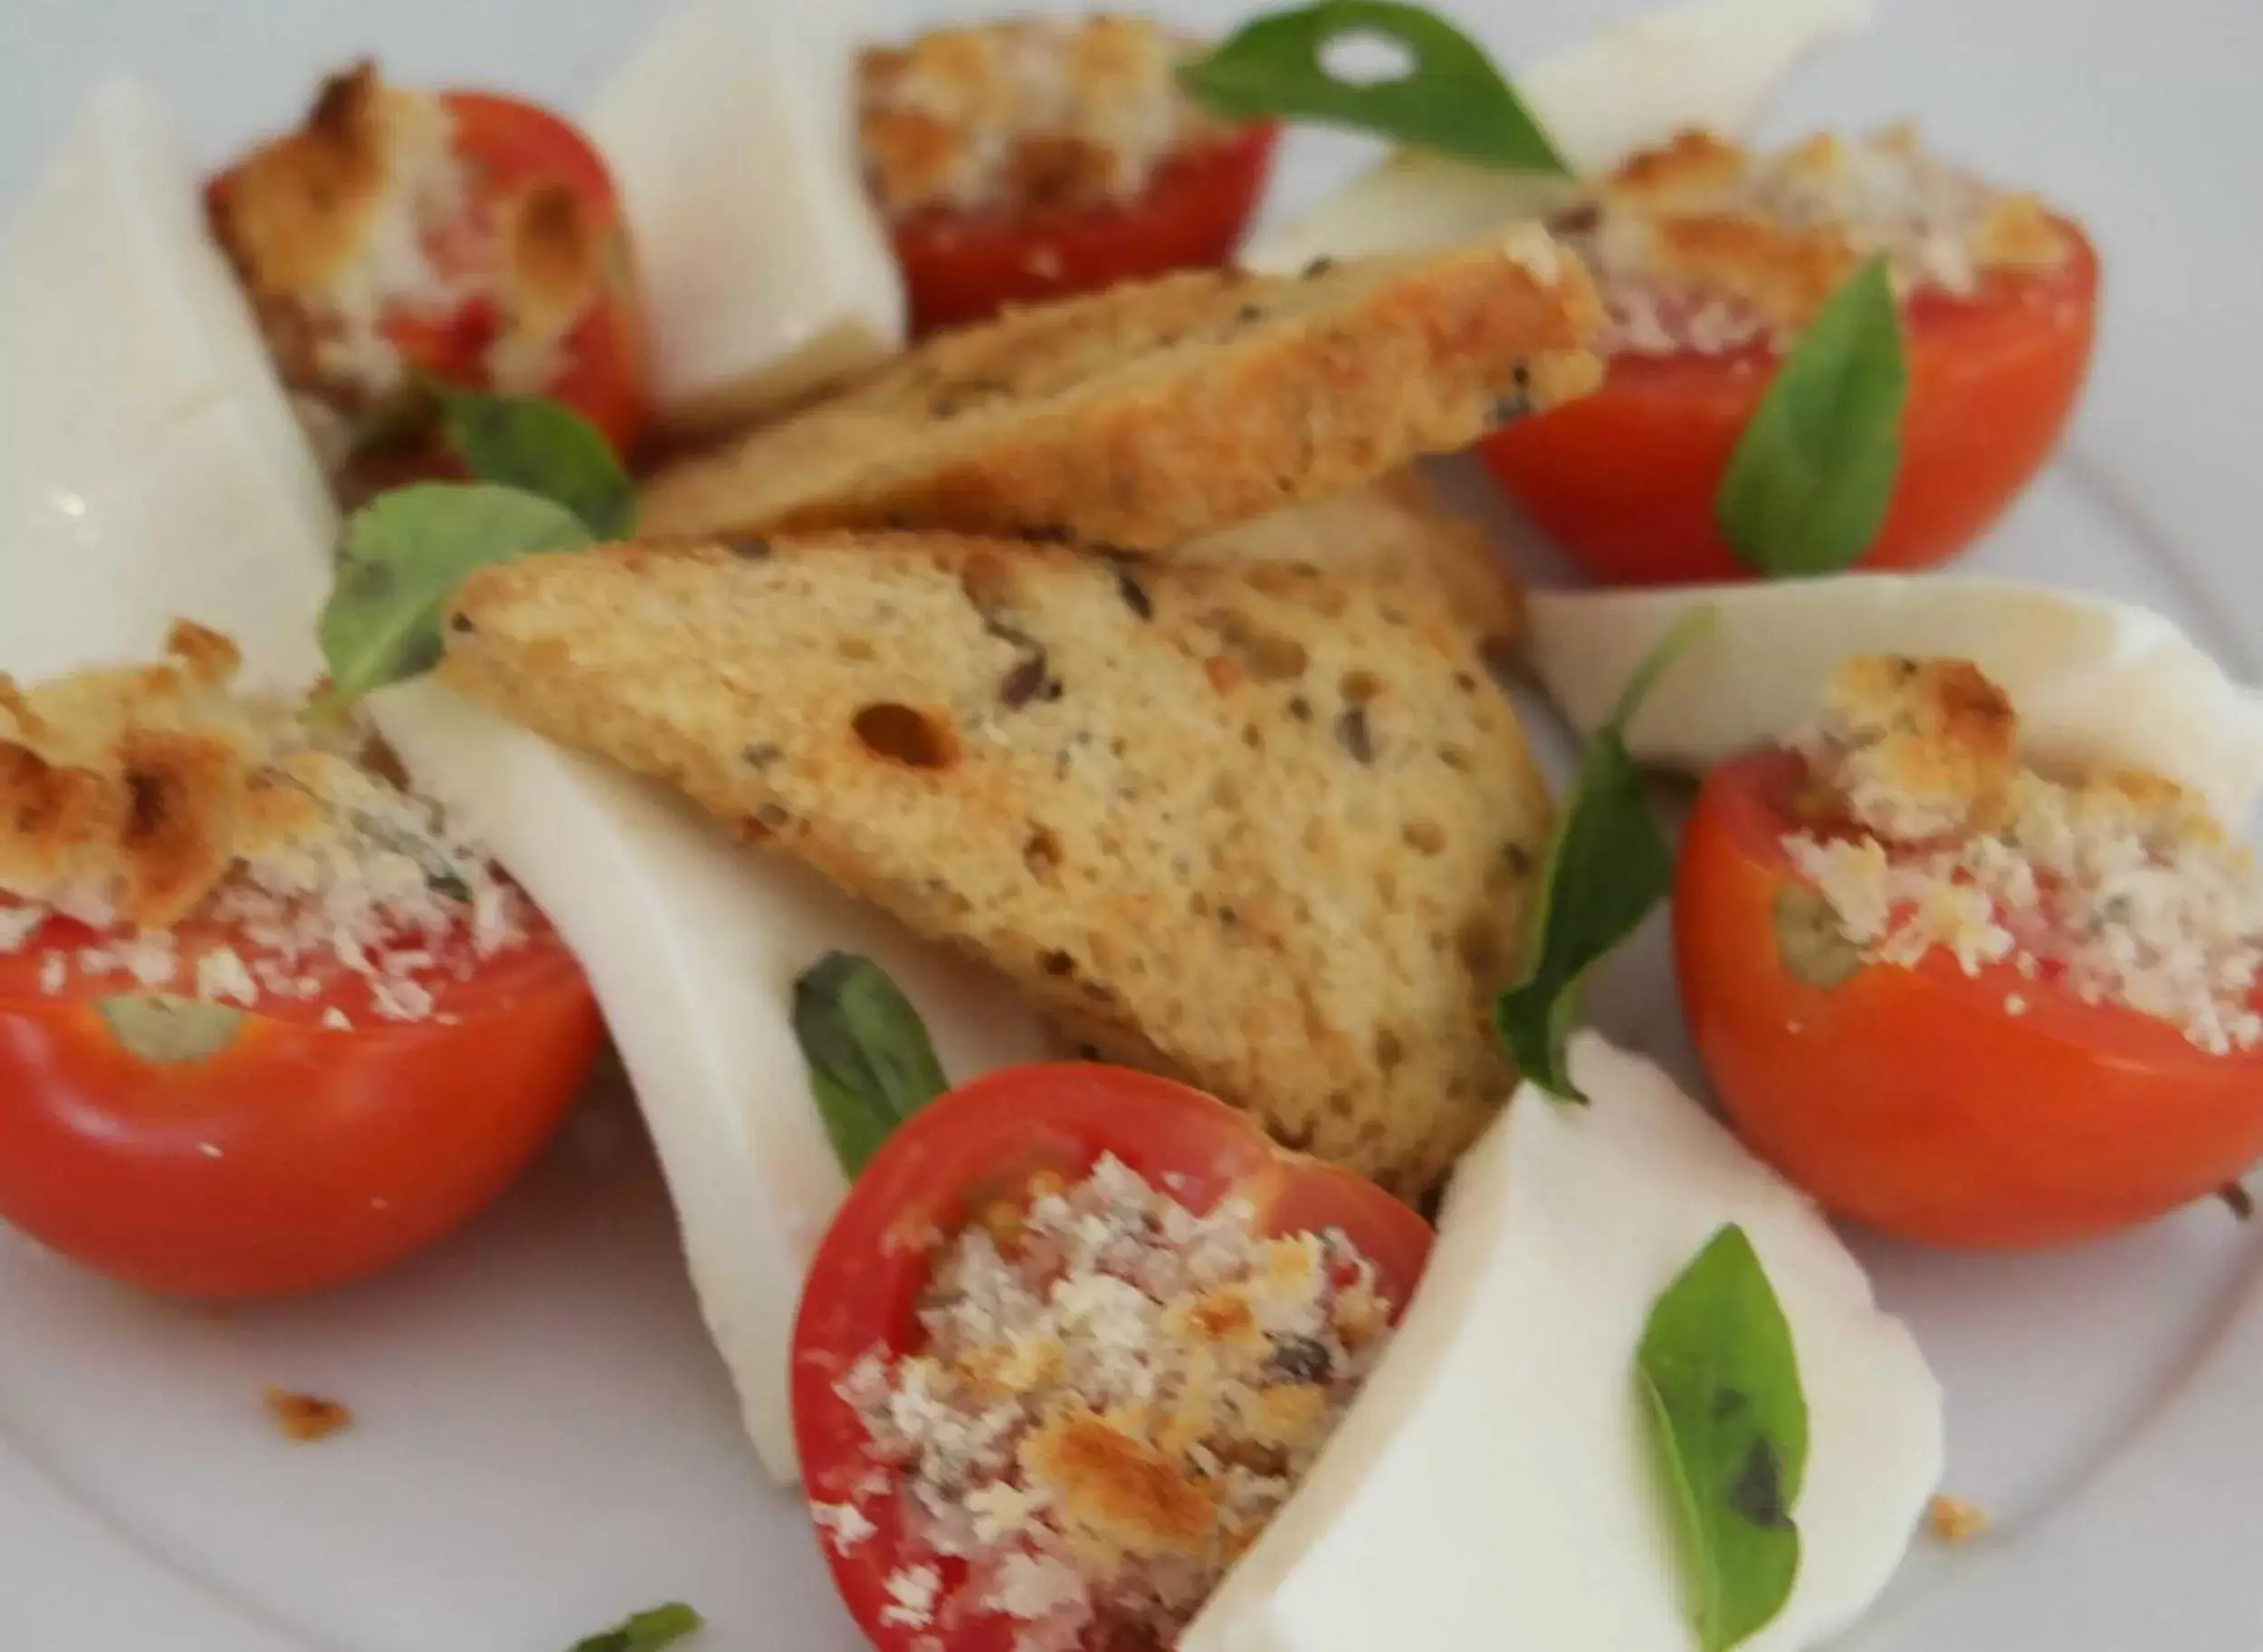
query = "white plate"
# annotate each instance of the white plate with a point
(546, 1440)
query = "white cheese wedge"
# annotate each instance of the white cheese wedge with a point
(1627, 87)
(2096, 681)
(692, 943)
(1493, 1487)
(149, 465)
(766, 274)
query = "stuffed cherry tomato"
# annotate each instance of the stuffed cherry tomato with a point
(2008, 1013)
(1711, 262)
(209, 1150)
(266, 1023)
(1033, 160)
(457, 236)
(1069, 1341)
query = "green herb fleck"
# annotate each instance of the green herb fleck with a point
(1607, 864)
(545, 448)
(1809, 483)
(164, 1028)
(1728, 1428)
(405, 553)
(871, 1065)
(1451, 99)
(647, 1631)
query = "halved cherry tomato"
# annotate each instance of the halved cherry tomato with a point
(980, 1145)
(515, 147)
(295, 1155)
(1914, 1100)
(1624, 479)
(515, 154)
(961, 266)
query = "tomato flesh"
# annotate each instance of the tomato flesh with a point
(1914, 1100)
(941, 1170)
(960, 267)
(296, 1156)
(1624, 479)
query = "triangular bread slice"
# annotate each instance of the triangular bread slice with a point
(1392, 540)
(1151, 414)
(1278, 838)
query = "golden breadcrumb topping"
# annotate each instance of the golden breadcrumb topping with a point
(1951, 1520)
(1930, 836)
(366, 220)
(305, 1419)
(1036, 113)
(1703, 245)
(134, 801)
(1116, 1396)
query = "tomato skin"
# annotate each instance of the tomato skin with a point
(519, 145)
(963, 267)
(1910, 1099)
(298, 1156)
(1625, 479)
(984, 1140)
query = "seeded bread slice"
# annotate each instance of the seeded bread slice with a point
(1151, 414)
(1391, 538)
(1269, 836)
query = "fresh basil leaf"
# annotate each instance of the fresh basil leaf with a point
(405, 553)
(542, 447)
(647, 1631)
(1728, 1425)
(871, 1065)
(1810, 478)
(1451, 100)
(1607, 864)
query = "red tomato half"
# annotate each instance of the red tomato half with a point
(1625, 479)
(961, 267)
(1911, 1099)
(517, 147)
(295, 1155)
(515, 156)
(980, 1145)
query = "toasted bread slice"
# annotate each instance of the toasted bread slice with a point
(1151, 414)
(1274, 837)
(1391, 539)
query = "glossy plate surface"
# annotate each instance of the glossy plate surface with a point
(546, 1440)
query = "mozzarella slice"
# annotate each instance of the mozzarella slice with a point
(692, 944)
(1628, 87)
(149, 465)
(766, 274)
(2096, 681)
(1492, 1485)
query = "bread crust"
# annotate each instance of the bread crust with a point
(1273, 839)
(1152, 413)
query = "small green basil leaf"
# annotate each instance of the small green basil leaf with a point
(1812, 474)
(647, 1631)
(1719, 1380)
(542, 447)
(1607, 864)
(1452, 99)
(871, 1065)
(405, 553)
(164, 1028)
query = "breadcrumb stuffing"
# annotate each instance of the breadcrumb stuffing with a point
(1036, 112)
(1930, 837)
(136, 801)
(1115, 1395)
(1702, 246)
